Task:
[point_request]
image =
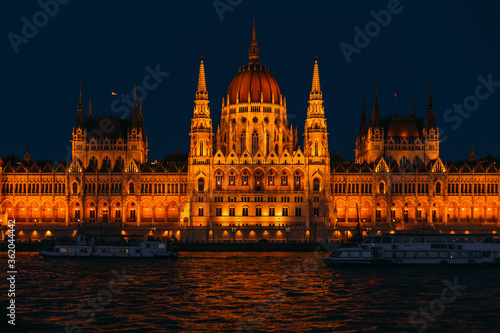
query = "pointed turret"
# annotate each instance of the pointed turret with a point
(79, 115)
(472, 157)
(27, 156)
(430, 121)
(316, 93)
(253, 53)
(140, 110)
(89, 115)
(375, 115)
(135, 116)
(201, 92)
(362, 125)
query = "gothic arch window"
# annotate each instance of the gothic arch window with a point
(381, 188)
(316, 148)
(255, 142)
(201, 148)
(244, 178)
(201, 184)
(218, 180)
(316, 184)
(75, 188)
(438, 188)
(243, 141)
(200, 211)
(296, 180)
(131, 188)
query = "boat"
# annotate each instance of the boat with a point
(88, 247)
(419, 249)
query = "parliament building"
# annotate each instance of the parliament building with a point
(250, 178)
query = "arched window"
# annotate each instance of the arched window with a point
(255, 142)
(316, 148)
(75, 188)
(296, 180)
(200, 211)
(316, 184)
(243, 141)
(201, 184)
(131, 188)
(381, 188)
(218, 180)
(201, 148)
(438, 188)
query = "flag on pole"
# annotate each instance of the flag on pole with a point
(113, 93)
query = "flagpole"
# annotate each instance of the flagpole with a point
(111, 104)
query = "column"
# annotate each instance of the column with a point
(445, 216)
(66, 218)
(54, 213)
(138, 216)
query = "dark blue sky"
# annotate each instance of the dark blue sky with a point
(108, 45)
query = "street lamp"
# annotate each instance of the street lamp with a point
(287, 231)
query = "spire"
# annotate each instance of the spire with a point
(135, 117)
(375, 115)
(362, 125)
(27, 156)
(413, 114)
(316, 88)
(140, 108)
(472, 157)
(253, 53)
(79, 114)
(202, 92)
(90, 108)
(430, 121)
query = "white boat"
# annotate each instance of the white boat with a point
(418, 249)
(86, 247)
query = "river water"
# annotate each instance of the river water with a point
(251, 292)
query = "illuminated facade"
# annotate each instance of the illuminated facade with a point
(250, 179)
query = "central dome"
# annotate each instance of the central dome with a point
(254, 83)
(251, 82)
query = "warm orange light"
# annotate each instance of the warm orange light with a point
(48, 233)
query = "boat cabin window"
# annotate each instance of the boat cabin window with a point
(418, 239)
(410, 254)
(369, 239)
(464, 254)
(354, 254)
(443, 254)
(486, 254)
(400, 254)
(388, 254)
(148, 246)
(161, 246)
(366, 254)
(386, 240)
(63, 250)
(376, 240)
(397, 240)
(137, 251)
(421, 254)
(475, 254)
(453, 255)
(432, 255)
(344, 254)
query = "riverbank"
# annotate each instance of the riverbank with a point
(212, 247)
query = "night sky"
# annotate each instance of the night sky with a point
(108, 45)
